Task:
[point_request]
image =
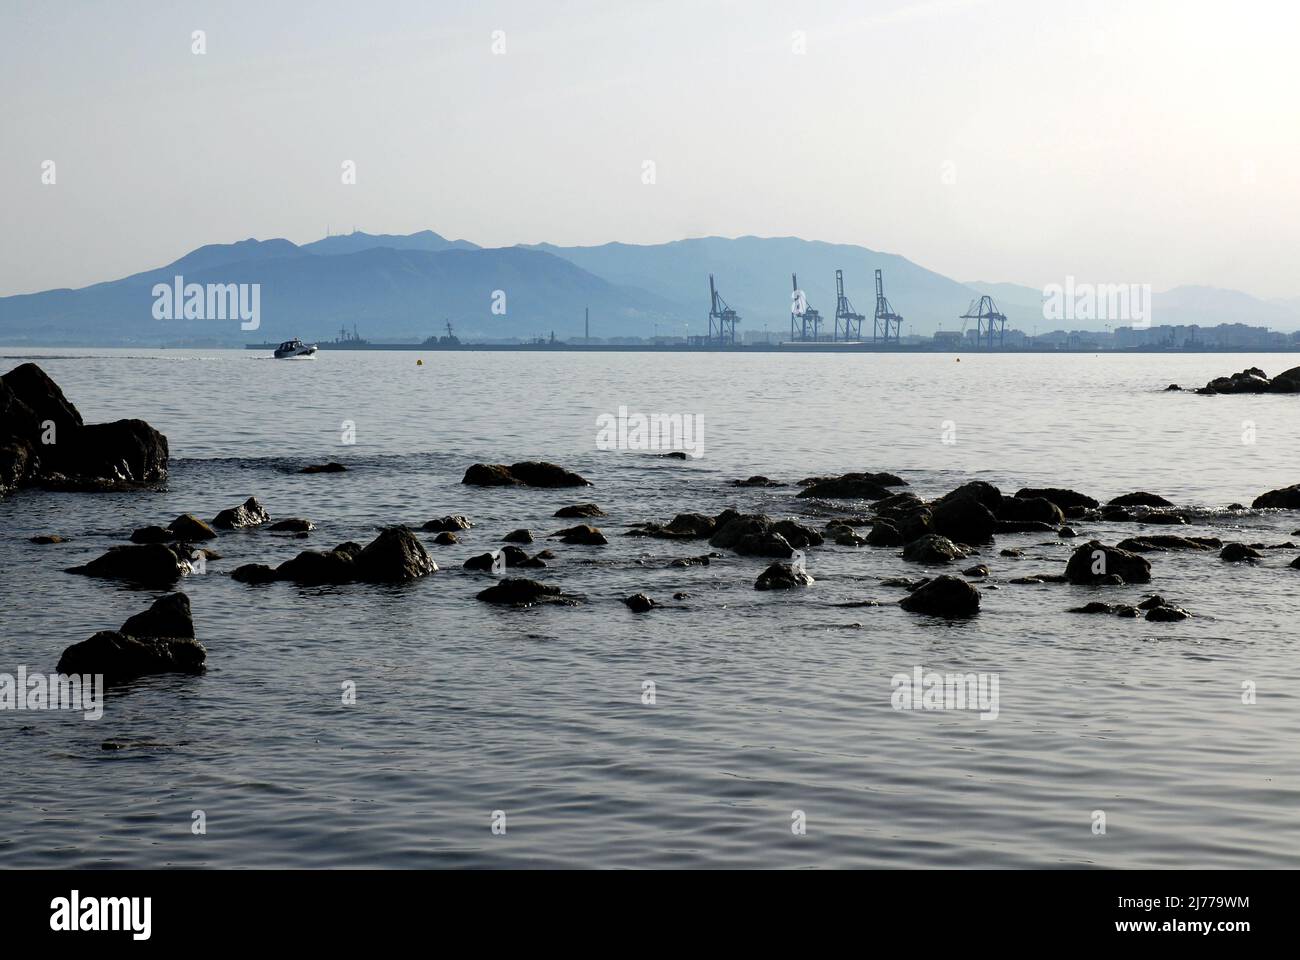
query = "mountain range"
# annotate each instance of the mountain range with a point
(407, 287)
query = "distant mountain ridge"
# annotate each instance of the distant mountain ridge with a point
(408, 286)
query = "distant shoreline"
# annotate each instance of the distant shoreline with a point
(786, 349)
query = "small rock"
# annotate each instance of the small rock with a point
(518, 536)
(1238, 552)
(153, 564)
(330, 467)
(152, 534)
(979, 570)
(47, 538)
(292, 525)
(932, 548)
(189, 528)
(521, 592)
(451, 523)
(1095, 606)
(583, 533)
(1140, 499)
(782, 576)
(580, 510)
(639, 603)
(446, 539)
(250, 513)
(944, 596)
(1166, 614)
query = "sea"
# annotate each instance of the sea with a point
(413, 726)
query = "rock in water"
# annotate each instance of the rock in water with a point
(522, 592)
(884, 534)
(190, 528)
(1140, 499)
(250, 513)
(1095, 563)
(518, 536)
(579, 510)
(782, 576)
(395, 556)
(964, 519)
(152, 534)
(310, 568)
(944, 596)
(932, 548)
(531, 473)
(330, 467)
(1063, 498)
(757, 535)
(448, 524)
(851, 486)
(152, 564)
(639, 603)
(583, 533)
(1031, 508)
(1287, 498)
(168, 617)
(44, 441)
(121, 657)
(1167, 613)
(446, 539)
(292, 525)
(1237, 552)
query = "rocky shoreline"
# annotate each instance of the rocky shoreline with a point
(859, 510)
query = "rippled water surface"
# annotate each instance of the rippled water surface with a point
(765, 703)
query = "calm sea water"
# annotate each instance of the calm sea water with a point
(765, 703)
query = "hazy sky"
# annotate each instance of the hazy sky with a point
(1136, 141)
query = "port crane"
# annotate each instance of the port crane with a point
(888, 325)
(989, 322)
(844, 313)
(805, 322)
(722, 319)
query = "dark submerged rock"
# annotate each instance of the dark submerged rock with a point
(583, 533)
(330, 467)
(579, 511)
(120, 657)
(152, 564)
(530, 473)
(782, 576)
(450, 523)
(1238, 552)
(1285, 498)
(944, 596)
(1109, 563)
(518, 536)
(639, 603)
(1140, 499)
(521, 592)
(850, 486)
(932, 548)
(190, 528)
(250, 513)
(170, 616)
(292, 525)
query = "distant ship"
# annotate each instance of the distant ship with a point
(450, 340)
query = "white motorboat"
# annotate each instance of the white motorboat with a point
(295, 349)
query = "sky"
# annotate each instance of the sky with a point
(1140, 141)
